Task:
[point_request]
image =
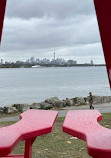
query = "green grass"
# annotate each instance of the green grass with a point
(9, 115)
(82, 104)
(106, 120)
(58, 144)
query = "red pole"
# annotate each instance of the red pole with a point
(103, 11)
(2, 13)
(28, 148)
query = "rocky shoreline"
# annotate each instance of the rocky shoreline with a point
(54, 102)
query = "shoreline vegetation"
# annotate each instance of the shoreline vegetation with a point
(53, 103)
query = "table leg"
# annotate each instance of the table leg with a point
(28, 148)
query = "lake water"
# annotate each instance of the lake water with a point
(29, 85)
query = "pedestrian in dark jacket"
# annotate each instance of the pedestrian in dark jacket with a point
(91, 101)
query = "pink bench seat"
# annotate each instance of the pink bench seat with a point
(33, 123)
(83, 124)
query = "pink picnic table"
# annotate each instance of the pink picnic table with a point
(33, 123)
(84, 125)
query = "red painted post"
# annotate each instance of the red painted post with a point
(28, 148)
(103, 11)
(2, 13)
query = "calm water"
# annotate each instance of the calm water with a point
(29, 85)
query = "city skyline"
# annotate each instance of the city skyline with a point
(57, 61)
(54, 60)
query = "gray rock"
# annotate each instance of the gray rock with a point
(35, 106)
(100, 99)
(10, 110)
(55, 102)
(79, 100)
(21, 107)
(85, 99)
(44, 105)
(97, 99)
(63, 103)
(59, 104)
(1, 108)
(52, 100)
(106, 99)
(1, 111)
(70, 102)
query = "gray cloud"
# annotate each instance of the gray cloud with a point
(42, 33)
(38, 27)
(39, 8)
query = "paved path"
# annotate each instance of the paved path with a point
(7, 119)
(103, 108)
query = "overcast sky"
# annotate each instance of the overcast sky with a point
(37, 27)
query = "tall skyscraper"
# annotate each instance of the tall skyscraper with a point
(92, 62)
(54, 55)
(1, 61)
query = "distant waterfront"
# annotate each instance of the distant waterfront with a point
(29, 85)
(55, 62)
(26, 65)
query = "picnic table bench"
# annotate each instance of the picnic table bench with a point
(32, 123)
(84, 125)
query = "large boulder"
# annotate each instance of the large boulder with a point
(10, 110)
(21, 107)
(55, 102)
(52, 100)
(79, 101)
(35, 106)
(86, 100)
(70, 102)
(1, 110)
(97, 99)
(59, 103)
(44, 105)
(106, 99)
(62, 103)
(100, 99)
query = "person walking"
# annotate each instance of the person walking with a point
(91, 101)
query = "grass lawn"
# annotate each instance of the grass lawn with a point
(58, 144)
